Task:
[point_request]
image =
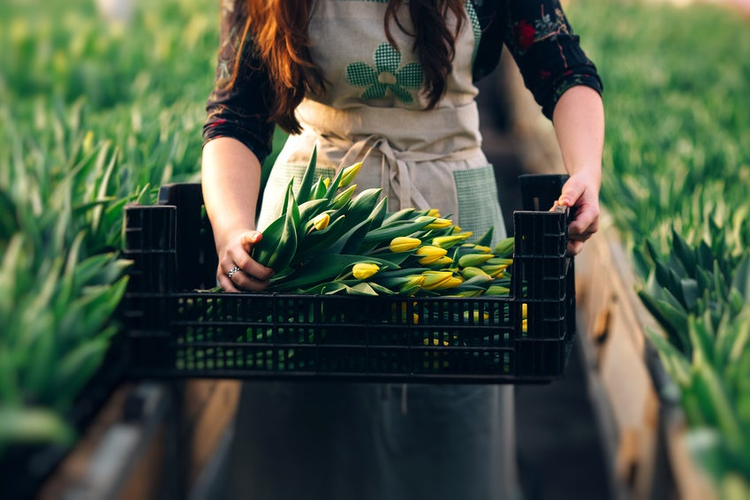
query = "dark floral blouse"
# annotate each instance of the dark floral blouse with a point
(536, 33)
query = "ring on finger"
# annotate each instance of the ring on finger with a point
(233, 271)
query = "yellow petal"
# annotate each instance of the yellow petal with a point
(430, 254)
(433, 279)
(404, 244)
(436, 223)
(449, 241)
(452, 282)
(349, 174)
(363, 270)
(321, 221)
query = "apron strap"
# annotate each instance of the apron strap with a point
(396, 165)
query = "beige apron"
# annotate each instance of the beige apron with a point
(381, 441)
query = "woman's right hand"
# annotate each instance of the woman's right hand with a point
(235, 253)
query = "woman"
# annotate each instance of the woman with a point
(390, 83)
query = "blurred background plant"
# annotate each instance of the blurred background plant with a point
(97, 108)
(677, 175)
(100, 105)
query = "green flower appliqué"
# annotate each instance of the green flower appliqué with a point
(386, 75)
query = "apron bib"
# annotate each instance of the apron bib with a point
(373, 111)
(381, 441)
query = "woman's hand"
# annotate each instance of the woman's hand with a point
(237, 271)
(581, 194)
(579, 126)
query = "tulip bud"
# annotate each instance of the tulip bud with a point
(349, 173)
(404, 244)
(413, 284)
(474, 259)
(497, 290)
(363, 270)
(505, 247)
(449, 241)
(500, 261)
(471, 272)
(433, 279)
(437, 223)
(343, 197)
(430, 254)
(441, 262)
(496, 271)
(451, 282)
(321, 221)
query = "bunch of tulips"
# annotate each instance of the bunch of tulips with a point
(326, 240)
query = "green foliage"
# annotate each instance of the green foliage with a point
(676, 185)
(93, 115)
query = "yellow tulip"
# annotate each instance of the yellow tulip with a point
(452, 282)
(321, 221)
(437, 222)
(474, 259)
(470, 272)
(497, 261)
(441, 262)
(496, 271)
(497, 290)
(449, 241)
(404, 244)
(433, 279)
(414, 284)
(430, 254)
(343, 197)
(363, 270)
(349, 174)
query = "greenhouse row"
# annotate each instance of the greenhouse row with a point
(620, 370)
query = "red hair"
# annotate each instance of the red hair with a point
(278, 29)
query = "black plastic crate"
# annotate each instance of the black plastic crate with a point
(174, 330)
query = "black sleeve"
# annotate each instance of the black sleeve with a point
(546, 50)
(239, 109)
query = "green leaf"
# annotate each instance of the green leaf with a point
(741, 278)
(486, 238)
(683, 252)
(675, 362)
(321, 268)
(716, 404)
(305, 188)
(671, 319)
(690, 292)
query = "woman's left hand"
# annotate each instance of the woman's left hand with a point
(581, 194)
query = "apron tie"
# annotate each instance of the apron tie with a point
(395, 167)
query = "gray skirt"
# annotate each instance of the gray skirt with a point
(332, 441)
(361, 441)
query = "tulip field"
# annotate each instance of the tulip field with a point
(98, 113)
(676, 179)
